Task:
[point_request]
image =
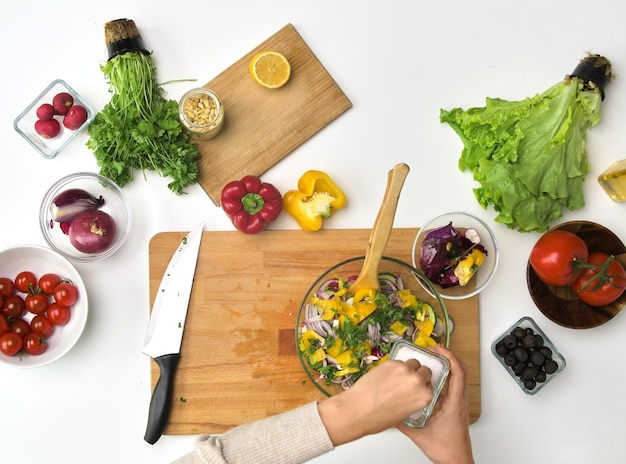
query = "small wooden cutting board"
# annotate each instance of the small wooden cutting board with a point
(238, 356)
(262, 126)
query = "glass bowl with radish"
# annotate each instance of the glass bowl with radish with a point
(458, 253)
(85, 217)
(341, 334)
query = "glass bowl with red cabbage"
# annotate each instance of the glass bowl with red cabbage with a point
(458, 253)
(337, 347)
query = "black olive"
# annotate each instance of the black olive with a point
(509, 341)
(537, 358)
(541, 376)
(530, 384)
(529, 341)
(510, 359)
(518, 368)
(529, 373)
(551, 367)
(530, 331)
(518, 333)
(520, 354)
(546, 352)
(538, 341)
(501, 349)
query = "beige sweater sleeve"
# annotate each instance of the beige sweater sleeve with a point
(292, 437)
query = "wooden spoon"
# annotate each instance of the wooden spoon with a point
(368, 277)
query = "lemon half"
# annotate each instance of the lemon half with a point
(270, 69)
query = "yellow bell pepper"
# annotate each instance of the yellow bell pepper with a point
(468, 266)
(317, 198)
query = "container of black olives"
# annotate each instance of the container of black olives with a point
(528, 355)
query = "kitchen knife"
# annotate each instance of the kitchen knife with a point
(165, 329)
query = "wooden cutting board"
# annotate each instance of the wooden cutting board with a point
(238, 356)
(262, 126)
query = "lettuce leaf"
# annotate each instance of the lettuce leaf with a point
(529, 156)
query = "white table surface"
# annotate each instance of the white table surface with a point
(399, 62)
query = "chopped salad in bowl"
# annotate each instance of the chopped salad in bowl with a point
(341, 335)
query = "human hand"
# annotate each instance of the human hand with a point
(445, 438)
(380, 399)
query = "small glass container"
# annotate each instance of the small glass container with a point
(528, 326)
(201, 113)
(613, 181)
(440, 368)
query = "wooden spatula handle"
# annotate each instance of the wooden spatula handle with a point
(368, 278)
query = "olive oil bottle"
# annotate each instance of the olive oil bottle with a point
(613, 181)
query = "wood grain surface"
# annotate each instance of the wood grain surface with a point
(238, 357)
(262, 126)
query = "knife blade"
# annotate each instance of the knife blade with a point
(166, 327)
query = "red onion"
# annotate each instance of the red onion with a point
(70, 203)
(92, 231)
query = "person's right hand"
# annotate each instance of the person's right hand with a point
(445, 438)
(380, 399)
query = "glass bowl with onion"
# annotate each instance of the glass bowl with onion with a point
(85, 217)
(340, 335)
(458, 253)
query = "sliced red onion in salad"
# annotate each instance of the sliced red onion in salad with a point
(341, 342)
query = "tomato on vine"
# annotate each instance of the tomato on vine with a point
(554, 257)
(601, 281)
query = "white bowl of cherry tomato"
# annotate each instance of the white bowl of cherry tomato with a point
(576, 274)
(44, 306)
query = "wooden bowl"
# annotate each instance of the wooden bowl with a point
(561, 304)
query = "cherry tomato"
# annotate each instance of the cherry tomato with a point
(19, 326)
(14, 306)
(7, 287)
(59, 315)
(25, 281)
(65, 294)
(604, 289)
(41, 324)
(11, 343)
(4, 325)
(554, 255)
(35, 343)
(48, 282)
(37, 303)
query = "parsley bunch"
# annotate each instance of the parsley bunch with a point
(139, 128)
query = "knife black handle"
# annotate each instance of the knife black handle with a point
(161, 403)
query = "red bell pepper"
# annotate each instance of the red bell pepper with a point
(251, 203)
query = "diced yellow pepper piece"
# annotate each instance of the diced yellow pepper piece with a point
(346, 358)
(364, 294)
(408, 299)
(335, 348)
(307, 338)
(317, 356)
(426, 327)
(468, 266)
(399, 327)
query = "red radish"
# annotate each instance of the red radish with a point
(62, 103)
(48, 129)
(45, 112)
(75, 117)
(92, 232)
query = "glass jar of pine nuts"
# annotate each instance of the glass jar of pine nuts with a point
(201, 113)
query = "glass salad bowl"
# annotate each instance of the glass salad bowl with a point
(340, 336)
(474, 257)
